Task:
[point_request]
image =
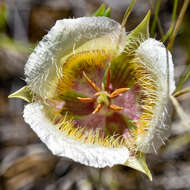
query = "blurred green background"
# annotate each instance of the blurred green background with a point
(25, 163)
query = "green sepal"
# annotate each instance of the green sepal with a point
(138, 162)
(102, 11)
(141, 32)
(24, 93)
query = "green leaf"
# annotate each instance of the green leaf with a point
(24, 93)
(138, 162)
(107, 12)
(155, 19)
(102, 11)
(10, 44)
(127, 13)
(3, 17)
(174, 12)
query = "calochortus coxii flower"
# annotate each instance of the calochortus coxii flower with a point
(98, 95)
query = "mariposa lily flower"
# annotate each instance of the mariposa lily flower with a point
(96, 94)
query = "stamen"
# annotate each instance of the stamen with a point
(103, 96)
(118, 92)
(86, 100)
(92, 84)
(98, 108)
(115, 108)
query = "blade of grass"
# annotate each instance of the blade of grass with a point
(168, 34)
(157, 9)
(178, 24)
(3, 15)
(107, 12)
(160, 27)
(182, 92)
(100, 11)
(127, 13)
(183, 78)
(183, 116)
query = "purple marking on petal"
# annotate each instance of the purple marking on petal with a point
(79, 108)
(107, 125)
(126, 134)
(92, 121)
(128, 101)
(58, 105)
(115, 124)
(81, 85)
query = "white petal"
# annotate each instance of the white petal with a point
(63, 39)
(153, 55)
(61, 145)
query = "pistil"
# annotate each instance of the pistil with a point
(102, 96)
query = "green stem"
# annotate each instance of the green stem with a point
(178, 24)
(183, 78)
(157, 9)
(127, 13)
(168, 34)
(181, 92)
(160, 27)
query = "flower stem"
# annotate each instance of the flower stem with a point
(127, 13)
(168, 34)
(182, 92)
(178, 24)
(157, 9)
(184, 77)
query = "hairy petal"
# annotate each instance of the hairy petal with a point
(62, 145)
(66, 37)
(152, 55)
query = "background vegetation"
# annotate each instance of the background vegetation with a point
(25, 163)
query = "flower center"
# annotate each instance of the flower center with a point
(99, 101)
(103, 96)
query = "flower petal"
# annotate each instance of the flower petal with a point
(128, 101)
(152, 55)
(67, 37)
(62, 145)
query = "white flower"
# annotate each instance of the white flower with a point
(99, 95)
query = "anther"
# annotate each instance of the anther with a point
(98, 108)
(115, 108)
(118, 92)
(92, 84)
(86, 100)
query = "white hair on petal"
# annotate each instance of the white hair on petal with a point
(59, 42)
(62, 145)
(152, 55)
